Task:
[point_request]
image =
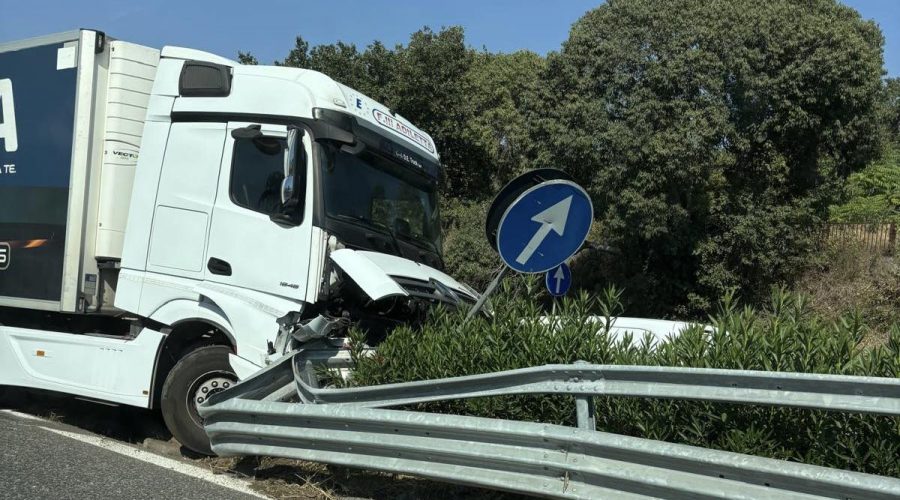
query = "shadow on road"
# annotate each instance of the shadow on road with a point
(123, 423)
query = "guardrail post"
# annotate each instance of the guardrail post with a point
(584, 409)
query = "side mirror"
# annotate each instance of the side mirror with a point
(293, 150)
(290, 187)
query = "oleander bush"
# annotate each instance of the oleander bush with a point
(786, 335)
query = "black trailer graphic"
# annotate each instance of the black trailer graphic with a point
(37, 110)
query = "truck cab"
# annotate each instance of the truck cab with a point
(263, 192)
(217, 214)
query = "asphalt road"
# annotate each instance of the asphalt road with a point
(57, 446)
(36, 462)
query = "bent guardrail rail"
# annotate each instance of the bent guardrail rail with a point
(351, 427)
(799, 390)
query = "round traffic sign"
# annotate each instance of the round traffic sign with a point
(558, 280)
(511, 192)
(544, 226)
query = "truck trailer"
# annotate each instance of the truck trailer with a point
(170, 220)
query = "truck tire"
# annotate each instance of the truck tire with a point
(194, 378)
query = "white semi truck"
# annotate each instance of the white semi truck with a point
(168, 218)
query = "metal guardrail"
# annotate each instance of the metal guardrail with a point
(799, 390)
(352, 429)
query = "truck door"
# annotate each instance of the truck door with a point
(247, 248)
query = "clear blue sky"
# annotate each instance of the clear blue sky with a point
(268, 28)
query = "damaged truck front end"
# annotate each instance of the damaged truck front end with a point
(374, 292)
(375, 208)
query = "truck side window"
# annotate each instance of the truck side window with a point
(257, 170)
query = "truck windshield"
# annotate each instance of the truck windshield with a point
(368, 189)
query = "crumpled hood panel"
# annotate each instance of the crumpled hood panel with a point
(377, 274)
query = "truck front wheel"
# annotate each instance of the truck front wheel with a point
(192, 380)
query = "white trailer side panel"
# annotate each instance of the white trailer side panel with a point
(132, 69)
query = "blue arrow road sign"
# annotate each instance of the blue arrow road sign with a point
(559, 280)
(544, 226)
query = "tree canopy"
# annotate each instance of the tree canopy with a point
(713, 135)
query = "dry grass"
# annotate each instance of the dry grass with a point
(853, 277)
(277, 478)
(283, 478)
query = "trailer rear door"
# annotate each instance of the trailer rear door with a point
(38, 88)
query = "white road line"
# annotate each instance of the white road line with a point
(160, 461)
(22, 415)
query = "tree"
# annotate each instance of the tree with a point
(298, 57)
(433, 89)
(380, 64)
(504, 87)
(891, 101)
(873, 194)
(247, 58)
(711, 134)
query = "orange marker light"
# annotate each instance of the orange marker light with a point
(35, 243)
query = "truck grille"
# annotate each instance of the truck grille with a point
(433, 291)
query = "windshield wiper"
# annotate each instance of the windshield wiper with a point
(360, 219)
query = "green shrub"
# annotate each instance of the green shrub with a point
(467, 255)
(785, 336)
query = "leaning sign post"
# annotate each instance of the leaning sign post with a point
(536, 223)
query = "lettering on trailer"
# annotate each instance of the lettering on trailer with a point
(8, 126)
(389, 122)
(5, 255)
(8, 130)
(124, 155)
